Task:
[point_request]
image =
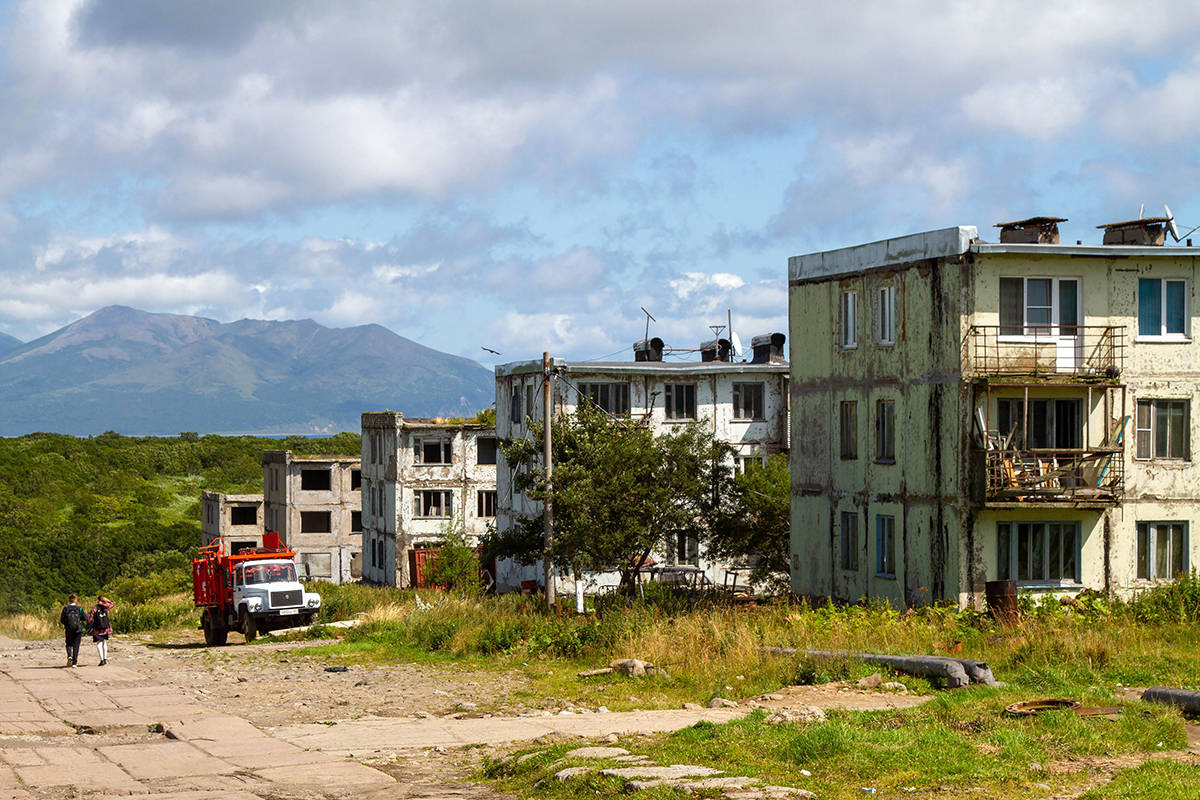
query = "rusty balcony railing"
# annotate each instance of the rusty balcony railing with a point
(1094, 475)
(1092, 352)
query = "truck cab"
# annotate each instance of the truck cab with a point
(267, 595)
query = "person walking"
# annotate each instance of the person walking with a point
(74, 619)
(101, 626)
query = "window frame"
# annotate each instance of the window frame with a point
(848, 430)
(1055, 326)
(419, 507)
(1150, 530)
(848, 541)
(885, 431)
(848, 320)
(479, 450)
(1008, 535)
(1164, 335)
(885, 315)
(445, 450)
(595, 392)
(675, 394)
(1151, 431)
(481, 503)
(756, 400)
(885, 546)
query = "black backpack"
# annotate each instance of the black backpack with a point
(75, 619)
(100, 619)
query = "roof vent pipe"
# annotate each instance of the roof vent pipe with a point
(648, 350)
(768, 348)
(716, 350)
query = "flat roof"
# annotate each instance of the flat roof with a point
(644, 367)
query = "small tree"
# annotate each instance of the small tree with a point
(455, 564)
(755, 525)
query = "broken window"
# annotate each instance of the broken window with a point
(1161, 550)
(680, 400)
(849, 540)
(849, 320)
(315, 522)
(885, 545)
(485, 503)
(1162, 307)
(1039, 305)
(315, 480)
(485, 450)
(356, 480)
(748, 401)
(885, 315)
(243, 515)
(433, 503)
(611, 397)
(1038, 552)
(1162, 429)
(432, 451)
(356, 522)
(848, 433)
(885, 431)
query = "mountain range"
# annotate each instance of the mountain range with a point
(140, 373)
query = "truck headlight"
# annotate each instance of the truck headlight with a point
(314, 601)
(254, 604)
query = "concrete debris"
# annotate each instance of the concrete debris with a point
(894, 686)
(800, 714)
(869, 682)
(673, 772)
(571, 772)
(721, 702)
(597, 752)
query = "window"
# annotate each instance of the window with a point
(687, 549)
(748, 401)
(529, 401)
(1039, 306)
(612, 397)
(374, 440)
(433, 503)
(432, 451)
(315, 522)
(1038, 552)
(355, 480)
(848, 433)
(753, 461)
(514, 406)
(849, 328)
(1162, 308)
(485, 503)
(849, 540)
(885, 430)
(680, 400)
(485, 450)
(243, 515)
(885, 315)
(1053, 424)
(315, 480)
(1161, 550)
(356, 522)
(1162, 429)
(885, 545)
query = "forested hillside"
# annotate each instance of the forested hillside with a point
(80, 514)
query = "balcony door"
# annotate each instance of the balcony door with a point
(1045, 310)
(1053, 424)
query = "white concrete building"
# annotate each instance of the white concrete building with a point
(421, 476)
(235, 519)
(315, 505)
(744, 403)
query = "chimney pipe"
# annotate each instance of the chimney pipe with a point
(768, 348)
(648, 350)
(716, 350)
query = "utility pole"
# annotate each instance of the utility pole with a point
(547, 460)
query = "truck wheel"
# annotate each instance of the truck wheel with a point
(249, 626)
(215, 632)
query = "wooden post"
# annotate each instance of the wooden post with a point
(548, 506)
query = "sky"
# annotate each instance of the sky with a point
(527, 176)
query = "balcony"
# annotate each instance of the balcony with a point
(1081, 353)
(1079, 477)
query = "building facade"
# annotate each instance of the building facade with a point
(744, 403)
(235, 519)
(967, 412)
(422, 477)
(315, 504)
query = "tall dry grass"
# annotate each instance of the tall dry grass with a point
(29, 626)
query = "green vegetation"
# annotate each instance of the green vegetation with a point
(117, 514)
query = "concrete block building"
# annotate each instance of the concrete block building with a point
(235, 519)
(744, 402)
(315, 504)
(421, 476)
(968, 411)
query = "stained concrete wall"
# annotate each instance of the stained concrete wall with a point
(216, 519)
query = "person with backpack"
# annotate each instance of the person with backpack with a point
(100, 626)
(74, 619)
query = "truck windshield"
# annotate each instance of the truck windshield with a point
(270, 573)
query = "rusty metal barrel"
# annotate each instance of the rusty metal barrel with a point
(1002, 601)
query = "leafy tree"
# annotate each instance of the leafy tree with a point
(754, 526)
(618, 491)
(455, 564)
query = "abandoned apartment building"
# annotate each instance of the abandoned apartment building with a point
(234, 519)
(967, 412)
(421, 478)
(315, 504)
(743, 402)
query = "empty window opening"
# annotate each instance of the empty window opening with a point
(680, 400)
(485, 503)
(243, 515)
(355, 480)
(687, 549)
(315, 480)
(514, 407)
(848, 433)
(236, 547)
(356, 522)
(433, 503)
(849, 540)
(485, 448)
(748, 401)
(432, 451)
(885, 431)
(315, 522)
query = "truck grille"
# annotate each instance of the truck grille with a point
(291, 597)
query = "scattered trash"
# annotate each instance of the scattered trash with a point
(1182, 698)
(806, 773)
(1029, 708)
(337, 669)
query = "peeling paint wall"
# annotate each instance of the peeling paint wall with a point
(216, 519)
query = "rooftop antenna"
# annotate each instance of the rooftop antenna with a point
(1173, 228)
(734, 340)
(649, 319)
(1141, 210)
(716, 329)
